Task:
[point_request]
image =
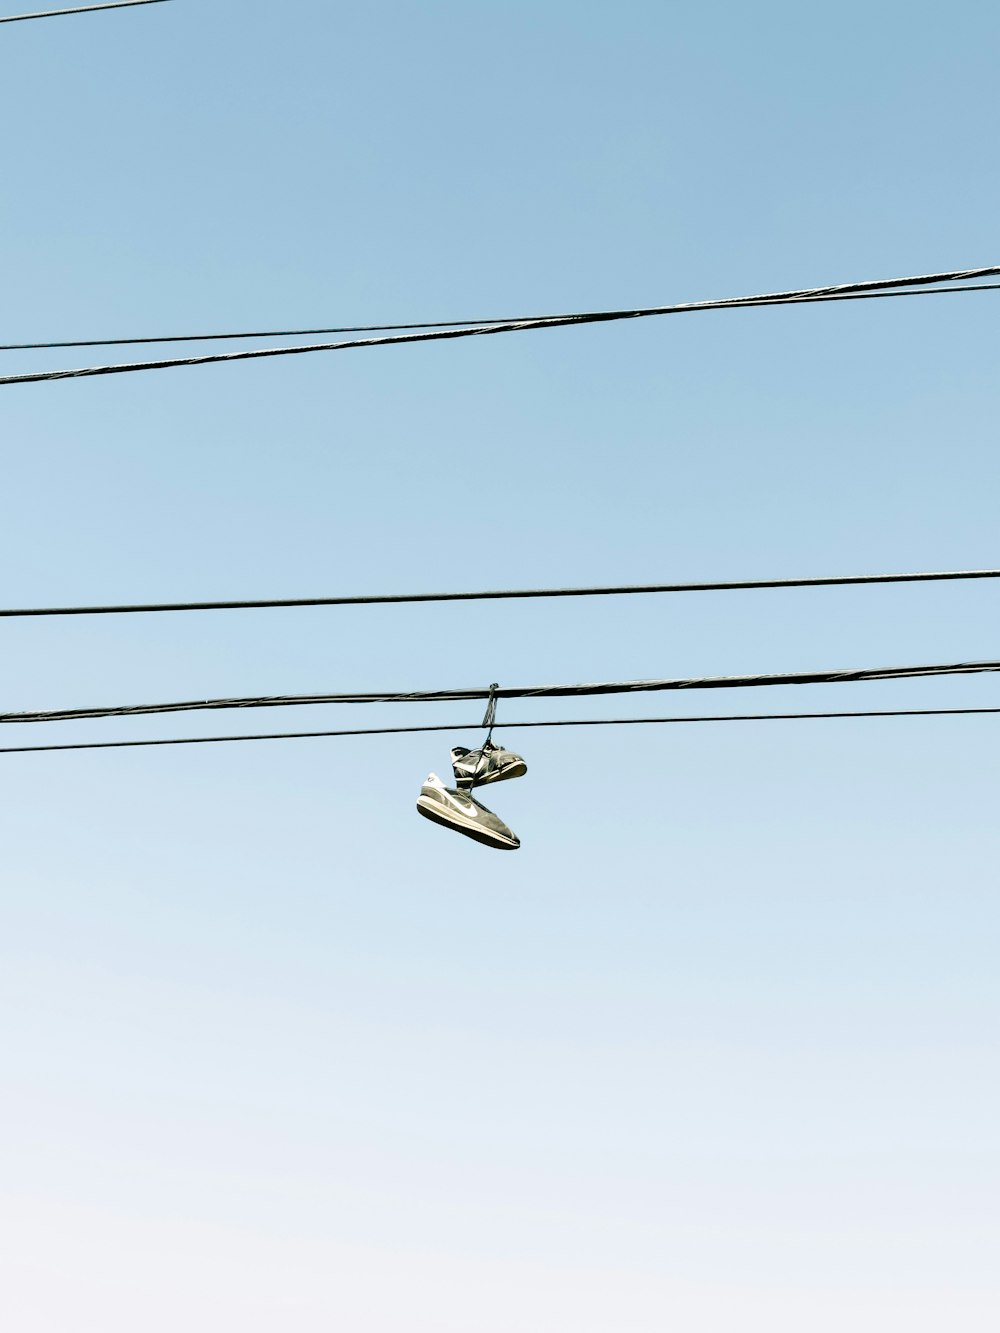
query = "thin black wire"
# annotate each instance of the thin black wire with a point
(467, 726)
(515, 692)
(804, 296)
(510, 594)
(434, 324)
(80, 9)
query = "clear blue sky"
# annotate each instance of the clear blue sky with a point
(717, 1048)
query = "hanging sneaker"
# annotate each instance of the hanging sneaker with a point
(457, 810)
(491, 763)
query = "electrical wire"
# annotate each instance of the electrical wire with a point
(804, 296)
(80, 9)
(514, 692)
(511, 594)
(469, 726)
(439, 323)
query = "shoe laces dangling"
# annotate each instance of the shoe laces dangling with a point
(490, 717)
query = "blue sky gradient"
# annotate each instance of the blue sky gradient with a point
(717, 1047)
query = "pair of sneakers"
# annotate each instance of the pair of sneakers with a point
(456, 808)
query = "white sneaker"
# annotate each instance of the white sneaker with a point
(458, 810)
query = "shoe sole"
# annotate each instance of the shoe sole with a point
(512, 771)
(433, 811)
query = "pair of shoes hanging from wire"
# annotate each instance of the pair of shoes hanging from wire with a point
(455, 807)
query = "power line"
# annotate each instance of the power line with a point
(80, 9)
(804, 296)
(470, 726)
(452, 323)
(511, 594)
(514, 692)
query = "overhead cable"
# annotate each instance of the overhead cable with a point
(80, 9)
(803, 296)
(511, 594)
(454, 323)
(469, 726)
(513, 692)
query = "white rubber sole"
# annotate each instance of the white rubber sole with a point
(514, 771)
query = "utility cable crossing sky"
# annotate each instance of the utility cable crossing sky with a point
(514, 692)
(511, 594)
(802, 296)
(464, 323)
(469, 726)
(80, 9)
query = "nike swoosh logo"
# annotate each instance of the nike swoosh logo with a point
(472, 811)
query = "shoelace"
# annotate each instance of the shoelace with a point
(490, 717)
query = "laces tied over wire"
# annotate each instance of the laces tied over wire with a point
(490, 717)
